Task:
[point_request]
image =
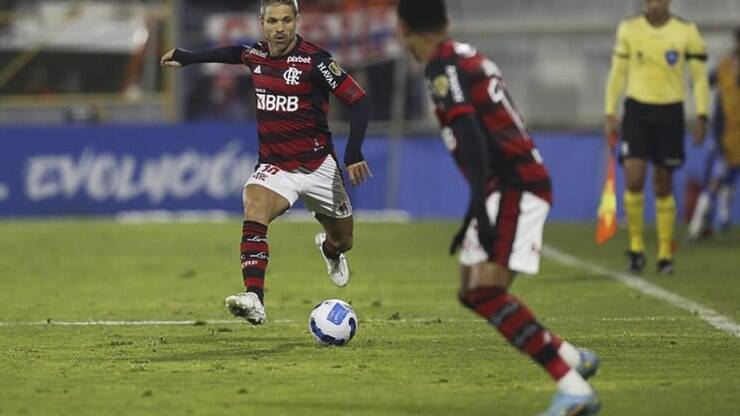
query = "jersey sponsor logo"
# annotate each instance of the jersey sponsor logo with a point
(671, 56)
(258, 53)
(299, 59)
(457, 92)
(328, 75)
(441, 86)
(277, 103)
(257, 69)
(292, 76)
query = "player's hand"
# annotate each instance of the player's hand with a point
(168, 60)
(359, 172)
(700, 131)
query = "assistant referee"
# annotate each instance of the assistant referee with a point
(651, 53)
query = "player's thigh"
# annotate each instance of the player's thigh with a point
(324, 193)
(519, 219)
(268, 193)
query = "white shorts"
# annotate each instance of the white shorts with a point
(321, 190)
(519, 219)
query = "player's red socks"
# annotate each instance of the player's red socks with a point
(255, 253)
(519, 326)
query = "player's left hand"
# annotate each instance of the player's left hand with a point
(700, 131)
(359, 172)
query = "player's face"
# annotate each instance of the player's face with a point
(279, 24)
(658, 9)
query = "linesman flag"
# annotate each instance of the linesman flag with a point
(606, 226)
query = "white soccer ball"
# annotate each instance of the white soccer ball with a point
(333, 322)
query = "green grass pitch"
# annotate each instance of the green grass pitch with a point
(417, 352)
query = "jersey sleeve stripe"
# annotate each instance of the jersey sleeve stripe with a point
(459, 110)
(349, 91)
(698, 56)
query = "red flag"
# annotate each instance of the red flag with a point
(606, 226)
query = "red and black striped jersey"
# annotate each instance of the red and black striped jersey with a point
(293, 102)
(463, 81)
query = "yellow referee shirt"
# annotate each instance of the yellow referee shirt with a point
(651, 61)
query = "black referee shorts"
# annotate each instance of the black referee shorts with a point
(654, 133)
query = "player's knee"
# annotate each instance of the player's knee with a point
(257, 213)
(344, 243)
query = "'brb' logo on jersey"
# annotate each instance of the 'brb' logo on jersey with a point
(278, 103)
(291, 76)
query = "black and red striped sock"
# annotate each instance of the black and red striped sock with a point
(518, 325)
(255, 254)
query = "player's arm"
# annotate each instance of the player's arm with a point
(177, 58)
(328, 74)
(616, 81)
(696, 56)
(452, 87)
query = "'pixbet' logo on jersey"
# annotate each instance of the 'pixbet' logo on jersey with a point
(299, 59)
(292, 76)
(277, 103)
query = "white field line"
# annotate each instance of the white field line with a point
(712, 317)
(51, 322)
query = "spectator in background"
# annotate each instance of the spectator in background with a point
(724, 161)
(651, 52)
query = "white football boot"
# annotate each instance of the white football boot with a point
(246, 305)
(338, 269)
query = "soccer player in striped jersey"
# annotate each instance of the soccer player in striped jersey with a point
(651, 53)
(293, 79)
(510, 197)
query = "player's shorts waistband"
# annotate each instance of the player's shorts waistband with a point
(631, 102)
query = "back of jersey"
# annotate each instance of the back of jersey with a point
(463, 81)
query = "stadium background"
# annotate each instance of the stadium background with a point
(90, 125)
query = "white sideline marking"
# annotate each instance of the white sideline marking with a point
(712, 317)
(51, 322)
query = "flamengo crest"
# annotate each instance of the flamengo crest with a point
(291, 76)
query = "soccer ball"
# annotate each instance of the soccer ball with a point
(332, 322)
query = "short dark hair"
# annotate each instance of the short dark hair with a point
(424, 15)
(265, 3)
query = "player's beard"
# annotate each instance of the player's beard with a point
(280, 45)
